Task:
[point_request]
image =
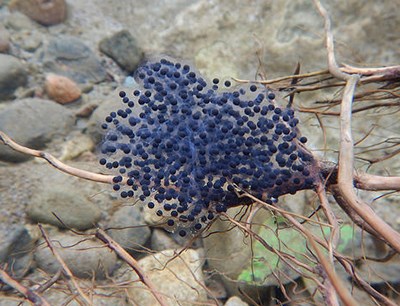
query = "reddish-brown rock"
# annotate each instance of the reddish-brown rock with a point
(61, 89)
(45, 12)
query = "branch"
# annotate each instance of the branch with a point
(100, 234)
(32, 296)
(346, 155)
(87, 175)
(372, 182)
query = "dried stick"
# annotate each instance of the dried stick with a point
(372, 182)
(55, 162)
(363, 284)
(334, 235)
(346, 154)
(100, 234)
(64, 266)
(32, 296)
(391, 71)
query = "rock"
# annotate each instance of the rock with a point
(17, 245)
(224, 68)
(99, 296)
(13, 74)
(86, 111)
(72, 206)
(216, 288)
(229, 251)
(235, 301)
(33, 122)
(76, 146)
(161, 240)
(179, 279)
(18, 21)
(4, 40)
(129, 228)
(123, 48)
(85, 257)
(28, 40)
(108, 104)
(45, 12)
(62, 89)
(70, 57)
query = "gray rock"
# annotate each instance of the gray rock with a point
(33, 122)
(161, 240)
(18, 21)
(129, 228)
(99, 296)
(16, 250)
(229, 251)
(13, 74)
(71, 205)
(123, 48)
(30, 41)
(85, 257)
(108, 104)
(180, 279)
(69, 56)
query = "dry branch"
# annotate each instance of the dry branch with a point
(100, 234)
(35, 298)
(87, 175)
(346, 156)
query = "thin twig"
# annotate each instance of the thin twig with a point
(50, 282)
(100, 234)
(391, 70)
(334, 234)
(64, 266)
(87, 175)
(32, 296)
(295, 76)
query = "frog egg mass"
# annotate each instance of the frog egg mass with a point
(187, 145)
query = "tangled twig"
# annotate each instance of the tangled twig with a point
(34, 297)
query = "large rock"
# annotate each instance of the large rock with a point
(110, 103)
(161, 240)
(17, 245)
(86, 258)
(33, 122)
(69, 56)
(180, 279)
(229, 252)
(123, 48)
(13, 74)
(129, 228)
(72, 206)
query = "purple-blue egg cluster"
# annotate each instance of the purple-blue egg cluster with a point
(187, 146)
